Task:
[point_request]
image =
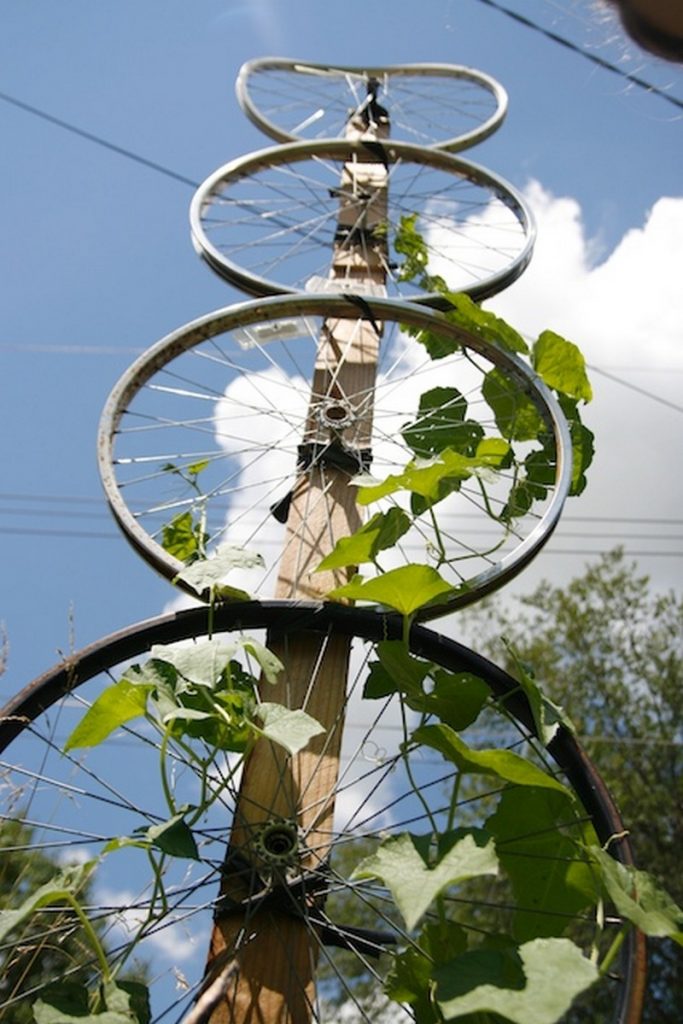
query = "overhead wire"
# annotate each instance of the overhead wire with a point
(601, 62)
(98, 140)
(169, 172)
(94, 500)
(183, 179)
(636, 388)
(110, 350)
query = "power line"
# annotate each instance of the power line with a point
(606, 65)
(34, 513)
(92, 535)
(98, 140)
(162, 169)
(634, 387)
(64, 499)
(70, 350)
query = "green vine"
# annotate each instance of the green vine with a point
(205, 700)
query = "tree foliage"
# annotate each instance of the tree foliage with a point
(610, 649)
(45, 946)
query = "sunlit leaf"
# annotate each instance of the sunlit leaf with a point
(197, 467)
(409, 243)
(405, 589)
(639, 898)
(63, 886)
(415, 880)
(554, 973)
(212, 571)
(504, 764)
(115, 706)
(380, 532)
(483, 323)
(270, 664)
(183, 538)
(290, 729)
(201, 663)
(561, 365)
(434, 478)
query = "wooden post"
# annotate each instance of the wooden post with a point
(266, 953)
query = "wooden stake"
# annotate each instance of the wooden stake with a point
(276, 951)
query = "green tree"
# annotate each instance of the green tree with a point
(610, 649)
(50, 944)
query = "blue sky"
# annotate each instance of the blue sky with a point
(97, 261)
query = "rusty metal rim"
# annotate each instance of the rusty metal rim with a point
(283, 618)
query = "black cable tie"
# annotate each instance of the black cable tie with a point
(365, 308)
(333, 453)
(377, 150)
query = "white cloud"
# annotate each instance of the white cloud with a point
(626, 309)
(172, 941)
(625, 313)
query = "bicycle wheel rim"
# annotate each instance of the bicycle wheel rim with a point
(26, 711)
(268, 222)
(446, 106)
(478, 566)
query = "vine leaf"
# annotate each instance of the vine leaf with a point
(290, 729)
(583, 444)
(210, 573)
(68, 1002)
(501, 763)
(547, 715)
(516, 416)
(173, 837)
(434, 478)
(561, 365)
(639, 898)
(441, 423)
(550, 873)
(183, 538)
(410, 977)
(382, 531)
(270, 664)
(482, 323)
(62, 887)
(130, 997)
(456, 698)
(115, 706)
(404, 589)
(201, 663)
(554, 972)
(403, 864)
(406, 672)
(409, 243)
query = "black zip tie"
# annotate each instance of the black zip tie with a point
(365, 308)
(377, 150)
(332, 453)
